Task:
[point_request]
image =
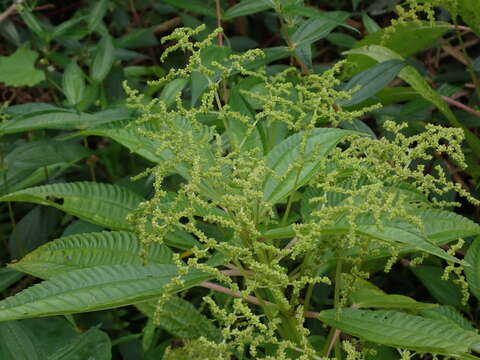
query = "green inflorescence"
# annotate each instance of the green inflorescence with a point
(224, 169)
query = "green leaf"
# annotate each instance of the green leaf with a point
(8, 277)
(371, 81)
(137, 38)
(372, 298)
(311, 30)
(470, 13)
(180, 318)
(37, 155)
(472, 272)
(448, 314)
(73, 83)
(444, 291)
(370, 25)
(58, 118)
(87, 250)
(19, 69)
(33, 24)
(246, 7)
(404, 38)
(103, 60)
(102, 204)
(97, 14)
(319, 143)
(93, 344)
(96, 288)
(337, 17)
(16, 342)
(416, 81)
(397, 329)
(171, 90)
(64, 27)
(196, 6)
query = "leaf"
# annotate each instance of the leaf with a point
(319, 143)
(64, 27)
(102, 204)
(87, 250)
(370, 25)
(397, 329)
(470, 13)
(16, 342)
(444, 291)
(371, 81)
(448, 314)
(472, 272)
(312, 30)
(171, 90)
(33, 24)
(246, 7)
(371, 298)
(59, 118)
(103, 60)
(416, 81)
(97, 14)
(195, 6)
(73, 83)
(96, 288)
(8, 277)
(404, 38)
(180, 318)
(93, 344)
(19, 69)
(36, 155)
(337, 17)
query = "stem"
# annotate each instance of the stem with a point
(334, 334)
(461, 106)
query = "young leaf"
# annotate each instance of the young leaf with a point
(472, 272)
(397, 329)
(87, 250)
(319, 142)
(19, 69)
(103, 60)
(371, 81)
(95, 288)
(180, 318)
(102, 204)
(73, 83)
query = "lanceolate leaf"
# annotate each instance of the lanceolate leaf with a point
(473, 271)
(448, 314)
(103, 60)
(397, 329)
(312, 30)
(417, 82)
(87, 250)
(246, 7)
(73, 83)
(371, 298)
(182, 319)
(95, 288)
(196, 6)
(289, 152)
(102, 204)
(50, 117)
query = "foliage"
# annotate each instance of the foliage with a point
(273, 179)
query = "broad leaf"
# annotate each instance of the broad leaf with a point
(319, 142)
(87, 250)
(102, 204)
(93, 344)
(96, 288)
(19, 69)
(448, 314)
(472, 272)
(73, 83)
(397, 329)
(470, 13)
(17, 342)
(182, 319)
(103, 60)
(371, 298)
(312, 30)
